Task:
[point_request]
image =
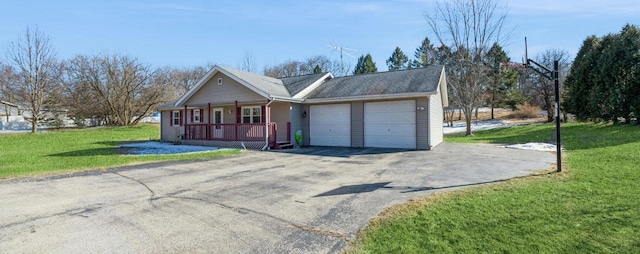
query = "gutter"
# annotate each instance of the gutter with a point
(369, 97)
(287, 99)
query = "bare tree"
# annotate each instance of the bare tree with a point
(6, 79)
(34, 60)
(325, 64)
(540, 89)
(296, 68)
(127, 89)
(248, 62)
(287, 69)
(186, 78)
(470, 27)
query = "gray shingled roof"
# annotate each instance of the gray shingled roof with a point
(422, 80)
(298, 83)
(271, 86)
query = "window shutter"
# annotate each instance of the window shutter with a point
(263, 114)
(201, 119)
(181, 123)
(192, 116)
(238, 115)
(171, 118)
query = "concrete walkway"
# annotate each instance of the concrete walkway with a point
(303, 201)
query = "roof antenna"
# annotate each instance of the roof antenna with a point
(342, 50)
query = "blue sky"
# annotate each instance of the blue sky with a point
(191, 32)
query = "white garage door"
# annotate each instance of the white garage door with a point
(330, 125)
(390, 124)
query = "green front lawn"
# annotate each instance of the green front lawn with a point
(76, 150)
(594, 207)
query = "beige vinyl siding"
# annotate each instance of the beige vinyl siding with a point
(357, 124)
(228, 113)
(281, 115)
(422, 124)
(296, 120)
(228, 93)
(305, 126)
(167, 132)
(436, 116)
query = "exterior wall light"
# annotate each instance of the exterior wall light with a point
(304, 114)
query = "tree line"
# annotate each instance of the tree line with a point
(604, 81)
(109, 89)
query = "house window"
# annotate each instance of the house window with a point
(251, 114)
(176, 118)
(196, 116)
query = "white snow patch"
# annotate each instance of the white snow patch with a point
(534, 146)
(476, 126)
(152, 147)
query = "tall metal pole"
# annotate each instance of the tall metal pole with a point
(557, 90)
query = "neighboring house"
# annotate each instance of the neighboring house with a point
(9, 112)
(231, 108)
(9, 109)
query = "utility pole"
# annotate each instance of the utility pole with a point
(551, 75)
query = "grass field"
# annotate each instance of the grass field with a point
(74, 150)
(592, 207)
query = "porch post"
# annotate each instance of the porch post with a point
(185, 121)
(237, 121)
(208, 129)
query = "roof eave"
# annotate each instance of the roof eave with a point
(287, 99)
(313, 86)
(370, 97)
(197, 87)
(245, 83)
(208, 77)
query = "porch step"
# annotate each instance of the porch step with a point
(283, 145)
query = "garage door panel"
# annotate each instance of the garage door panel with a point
(330, 125)
(393, 106)
(406, 117)
(391, 130)
(390, 124)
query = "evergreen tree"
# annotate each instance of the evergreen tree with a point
(317, 69)
(398, 60)
(579, 80)
(424, 55)
(604, 82)
(364, 65)
(513, 96)
(502, 79)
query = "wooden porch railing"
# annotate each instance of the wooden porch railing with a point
(230, 132)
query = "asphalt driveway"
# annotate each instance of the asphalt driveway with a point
(310, 200)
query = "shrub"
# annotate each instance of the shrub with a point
(525, 111)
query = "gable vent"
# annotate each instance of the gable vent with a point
(219, 81)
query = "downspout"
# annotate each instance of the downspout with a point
(266, 124)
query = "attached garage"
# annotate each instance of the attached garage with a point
(330, 125)
(390, 124)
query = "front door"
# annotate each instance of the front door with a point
(217, 129)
